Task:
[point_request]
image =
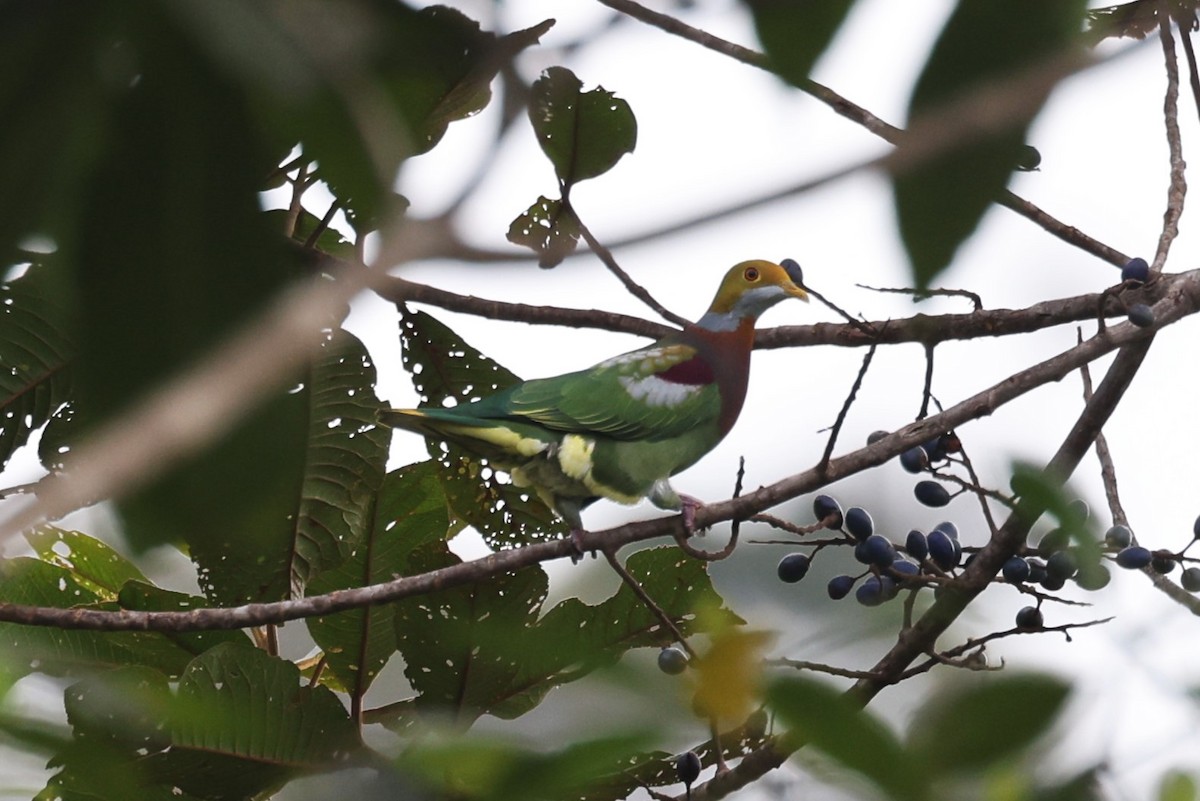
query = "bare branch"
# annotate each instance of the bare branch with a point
(1178, 188)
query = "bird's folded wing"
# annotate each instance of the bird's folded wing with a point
(654, 393)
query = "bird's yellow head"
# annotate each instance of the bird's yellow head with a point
(752, 287)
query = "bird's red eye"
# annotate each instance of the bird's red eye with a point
(751, 274)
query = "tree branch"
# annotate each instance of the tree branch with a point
(1183, 299)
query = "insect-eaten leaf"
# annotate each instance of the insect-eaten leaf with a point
(582, 133)
(549, 228)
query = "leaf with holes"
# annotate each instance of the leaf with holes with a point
(481, 648)
(91, 562)
(583, 133)
(446, 369)
(547, 228)
(410, 511)
(35, 351)
(312, 517)
(241, 722)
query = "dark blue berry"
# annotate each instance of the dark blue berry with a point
(1028, 159)
(1030, 619)
(1118, 537)
(1062, 564)
(933, 448)
(914, 460)
(1134, 557)
(875, 590)
(915, 545)
(1078, 510)
(1141, 315)
(931, 493)
(1190, 580)
(942, 550)
(1052, 582)
(1055, 540)
(1037, 570)
(1163, 562)
(1136, 269)
(878, 551)
(826, 507)
(905, 568)
(687, 767)
(1016, 570)
(840, 586)
(859, 523)
(793, 567)
(1093, 577)
(949, 528)
(672, 661)
(875, 436)
(792, 268)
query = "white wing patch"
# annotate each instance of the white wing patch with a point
(654, 391)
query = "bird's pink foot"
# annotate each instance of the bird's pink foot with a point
(688, 511)
(576, 538)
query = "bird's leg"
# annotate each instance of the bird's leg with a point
(688, 508)
(664, 496)
(570, 510)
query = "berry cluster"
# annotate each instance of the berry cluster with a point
(929, 456)
(1162, 561)
(887, 567)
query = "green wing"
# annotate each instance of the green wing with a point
(625, 397)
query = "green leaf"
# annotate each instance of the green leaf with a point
(444, 367)
(410, 512)
(968, 729)
(480, 648)
(795, 34)
(57, 652)
(35, 350)
(240, 723)
(287, 527)
(582, 133)
(849, 735)
(940, 202)
(496, 770)
(60, 71)
(67, 652)
(89, 561)
(329, 241)
(143, 597)
(549, 229)
(575, 638)
(1177, 786)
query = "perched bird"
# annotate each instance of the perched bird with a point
(622, 428)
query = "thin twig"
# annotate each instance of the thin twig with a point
(919, 295)
(817, 667)
(643, 596)
(1178, 188)
(927, 387)
(845, 410)
(323, 224)
(634, 288)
